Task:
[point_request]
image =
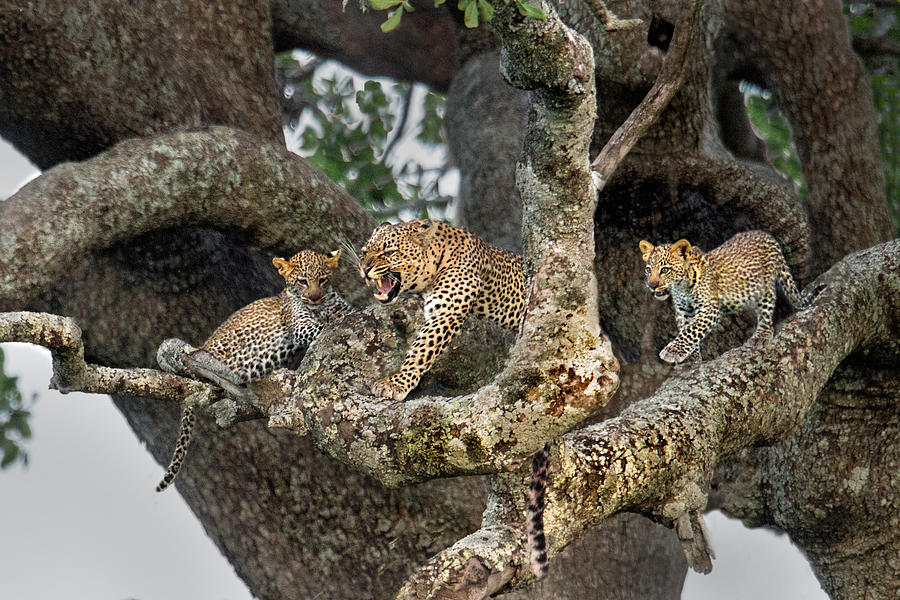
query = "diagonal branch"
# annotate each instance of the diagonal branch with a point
(667, 83)
(749, 396)
(656, 456)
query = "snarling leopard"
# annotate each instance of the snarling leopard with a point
(258, 338)
(458, 275)
(742, 273)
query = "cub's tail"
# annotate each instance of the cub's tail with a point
(534, 512)
(184, 439)
(790, 290)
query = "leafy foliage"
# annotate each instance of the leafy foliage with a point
(14, 428)
(382, 141)
(776, 131)
(474, 11)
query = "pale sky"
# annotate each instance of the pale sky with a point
(83, 521)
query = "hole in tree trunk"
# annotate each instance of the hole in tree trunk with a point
(660, 34)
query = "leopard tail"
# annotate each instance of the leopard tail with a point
(534, 512)
(788, 287)
(184, 439)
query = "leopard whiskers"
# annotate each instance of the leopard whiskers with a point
(349, 250)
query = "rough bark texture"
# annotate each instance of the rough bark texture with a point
(166, 234)
(75, 79)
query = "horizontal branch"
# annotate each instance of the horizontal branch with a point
(62, 336)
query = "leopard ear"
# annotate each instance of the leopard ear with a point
(332, 260)
(681, 248)
(283, 266)
(646, 248)
(425, 230)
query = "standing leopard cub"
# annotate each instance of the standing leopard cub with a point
(457, 273)
(742, 273)
(258, 338)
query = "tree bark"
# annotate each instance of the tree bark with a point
(166, 234)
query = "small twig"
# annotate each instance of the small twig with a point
(610, 21)
(669, 81)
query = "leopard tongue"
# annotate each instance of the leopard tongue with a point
(384, 285)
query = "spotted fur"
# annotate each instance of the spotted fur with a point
(458, 274)
(742, 273)
(534, 512)
(263, 336)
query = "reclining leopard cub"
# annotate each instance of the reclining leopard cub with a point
(458, 274)
(258, 338)
(741, 273)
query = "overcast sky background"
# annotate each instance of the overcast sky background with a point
(83, 522)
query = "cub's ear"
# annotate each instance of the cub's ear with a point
(332, 260)
(283, 266)
(681, 248)
(646, 248)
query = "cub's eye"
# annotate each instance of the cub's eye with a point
(663, 270)
(302, 281)
(323, 280)
(647, 269)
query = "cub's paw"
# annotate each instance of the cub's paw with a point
(673, 355)
(390, 387)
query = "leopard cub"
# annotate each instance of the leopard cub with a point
(742, 273)
(257, 339)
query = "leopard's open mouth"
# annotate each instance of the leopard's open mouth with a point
(662, 294)
(387, 287)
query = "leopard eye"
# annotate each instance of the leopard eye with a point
(302, 281)
(647, 269)
(663, 270)
(323, 280)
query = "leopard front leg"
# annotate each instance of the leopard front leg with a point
(444, 319)
(688, 339)
(684, 314)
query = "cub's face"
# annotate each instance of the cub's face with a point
(667, 265)
(395, 259)
(307, 274)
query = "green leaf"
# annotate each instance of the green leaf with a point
(10, 454)
(530, 10)
(486, 10)
(383, 4)
(392, 21)
(438, 2)
(471, 18)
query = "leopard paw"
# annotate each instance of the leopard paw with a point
(674, 356)
(390, 387)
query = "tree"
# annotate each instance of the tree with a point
(185, 190)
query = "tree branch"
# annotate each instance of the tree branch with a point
(655, 458)
(72, 374)
(667, 83)
(749, 396)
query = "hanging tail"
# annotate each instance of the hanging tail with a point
(534, 512)
(184, 439)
